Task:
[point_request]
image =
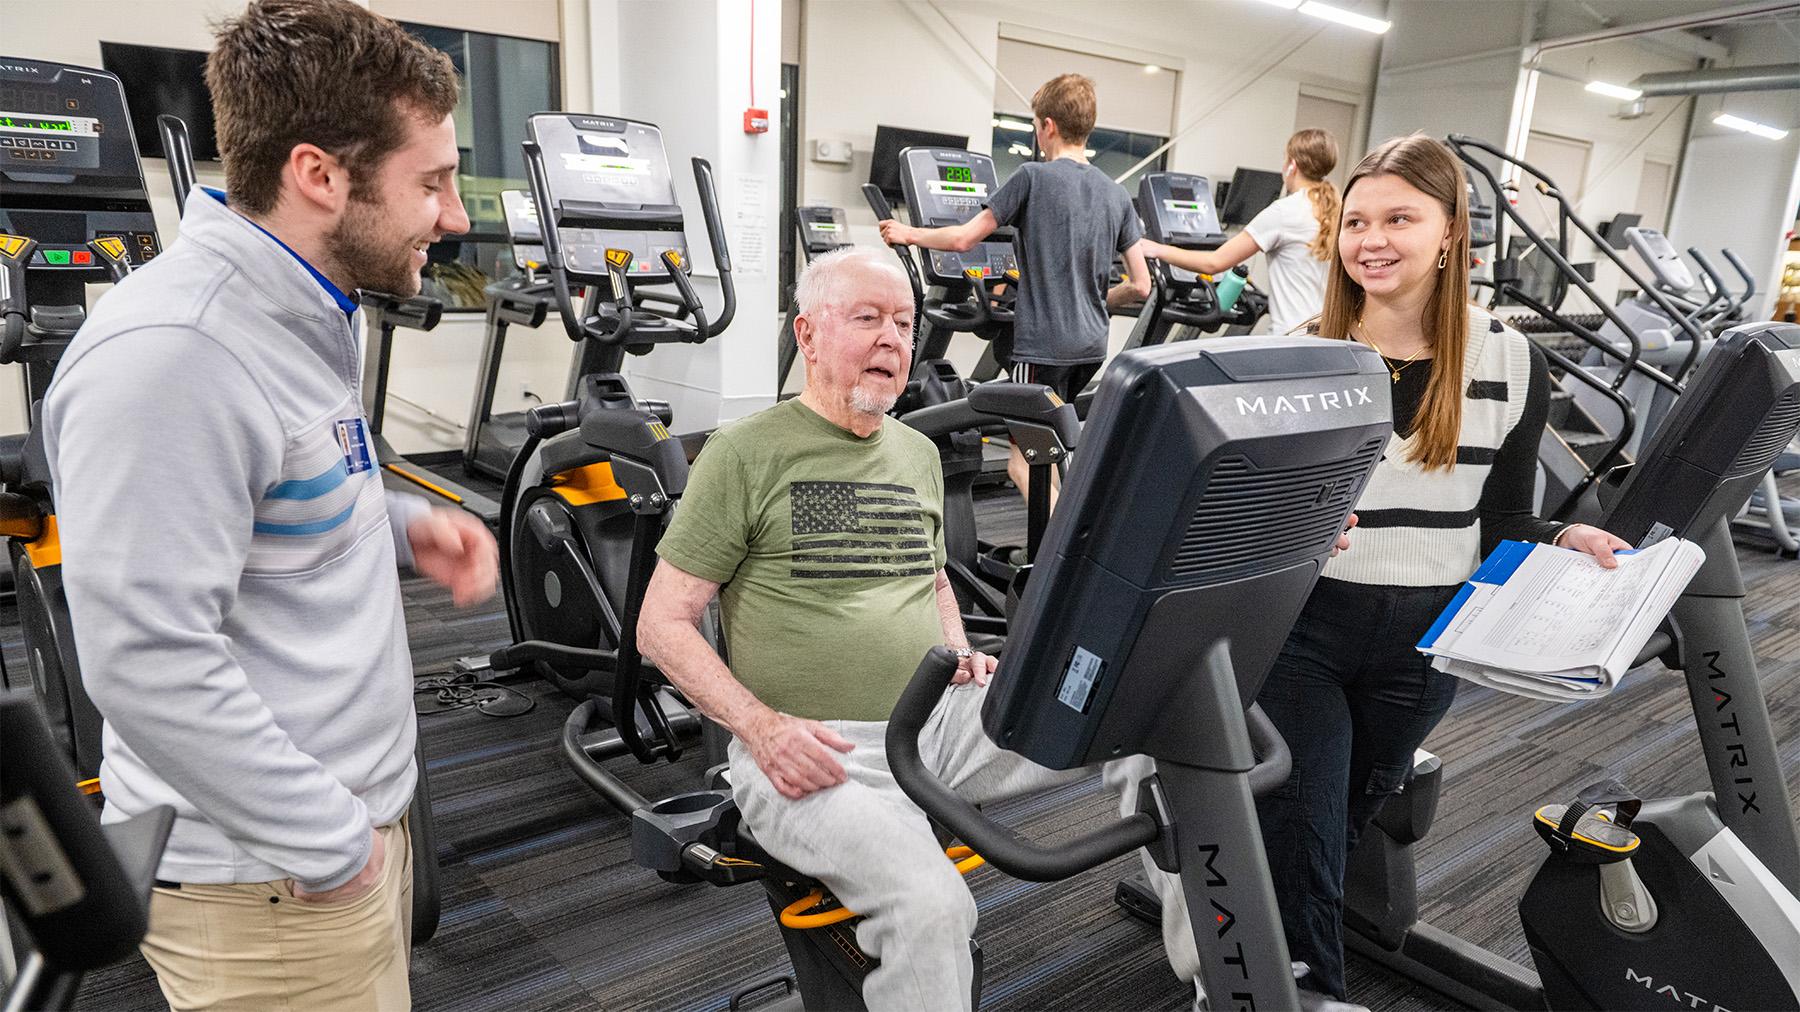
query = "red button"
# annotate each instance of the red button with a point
(82, 257)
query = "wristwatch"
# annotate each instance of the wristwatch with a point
(962, 653)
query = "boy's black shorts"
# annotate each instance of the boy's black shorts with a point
(1066, 380)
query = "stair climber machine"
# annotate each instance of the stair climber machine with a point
(1178, 210)
(1712, 307)
(525, 300)
(426, 897)
(74, 211)
(1579, 446)
(822, 229)
(1147, 628)
(1643, 903)
(591, 489)
(956, 292)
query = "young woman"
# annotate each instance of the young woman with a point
(1349, 693)
(1296, 233)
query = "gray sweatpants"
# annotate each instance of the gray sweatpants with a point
(874, 849)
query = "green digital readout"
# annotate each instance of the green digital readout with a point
(958, 189)
(956, 173)
(33, 123)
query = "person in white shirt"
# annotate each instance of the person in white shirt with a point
(1295, 233)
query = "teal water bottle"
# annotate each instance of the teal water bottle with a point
(1230, 285)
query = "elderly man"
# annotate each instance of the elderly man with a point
(821, 518)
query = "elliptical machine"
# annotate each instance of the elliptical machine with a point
(1178, 211)
(588, 494)
(956, 292)
(73, 211)
(822, 229)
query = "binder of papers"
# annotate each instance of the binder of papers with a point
(1551, 623)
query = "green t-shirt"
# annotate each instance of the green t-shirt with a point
(827, 547)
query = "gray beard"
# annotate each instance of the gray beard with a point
(865, 403)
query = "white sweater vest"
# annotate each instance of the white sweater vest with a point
(1418, 528)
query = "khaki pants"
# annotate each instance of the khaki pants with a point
(251, 945)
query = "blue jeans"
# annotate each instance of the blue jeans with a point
(1354, 700)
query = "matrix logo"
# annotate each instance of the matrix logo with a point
(1685, 999)
(1745, 780)
(1294, 404)
(16, 68)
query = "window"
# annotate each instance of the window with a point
(504, 81)
(1111, 151)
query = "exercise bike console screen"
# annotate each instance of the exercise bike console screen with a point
(948, 186)
(1222, 473)
(610, 188)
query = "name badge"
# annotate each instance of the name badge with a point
(353, 439)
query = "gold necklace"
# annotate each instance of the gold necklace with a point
(1393, 370)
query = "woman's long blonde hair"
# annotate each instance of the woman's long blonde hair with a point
(1315, 154)
(1429, 166)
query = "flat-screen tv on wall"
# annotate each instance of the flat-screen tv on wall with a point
(884, 157)
(159, 81)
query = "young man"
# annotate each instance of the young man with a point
(228, 549)
(821, 519)
(1071, 220)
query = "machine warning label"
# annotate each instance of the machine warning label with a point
(1083, 673)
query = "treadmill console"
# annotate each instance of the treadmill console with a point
(522, 229)
(610, 188)
(69, 169)
(822, 229)
(1660, 254)
(948, 186)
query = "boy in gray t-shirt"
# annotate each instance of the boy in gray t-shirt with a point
(1071, 220)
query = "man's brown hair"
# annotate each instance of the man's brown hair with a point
(1069, 100)
(324, 72)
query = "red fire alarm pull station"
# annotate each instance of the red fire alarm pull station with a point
(756, 121)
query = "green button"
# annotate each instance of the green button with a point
(56, 256)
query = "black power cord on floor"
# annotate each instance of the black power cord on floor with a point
(457, 687)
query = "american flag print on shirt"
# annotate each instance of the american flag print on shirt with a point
(851, 530)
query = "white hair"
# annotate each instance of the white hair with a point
(823, 283)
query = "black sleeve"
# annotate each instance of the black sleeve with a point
(1506, 498)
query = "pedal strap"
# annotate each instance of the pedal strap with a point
(1595, 827)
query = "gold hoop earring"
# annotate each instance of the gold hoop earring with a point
(1443, 258)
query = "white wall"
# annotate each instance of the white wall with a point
(1738, 190)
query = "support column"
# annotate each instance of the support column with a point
(690, 66)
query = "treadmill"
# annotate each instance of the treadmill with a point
(525, 299)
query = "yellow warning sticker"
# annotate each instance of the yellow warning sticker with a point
(10, 245)
(112, 246)
(1013, 273)
(619, 258)
(657, 430)
(975, 272)
(675, 256)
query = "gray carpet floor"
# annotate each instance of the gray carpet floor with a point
(543, 908)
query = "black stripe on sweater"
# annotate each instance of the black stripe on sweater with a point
(1487, 390)
(1441, 520)
(1475, 454)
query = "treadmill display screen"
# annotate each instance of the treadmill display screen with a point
(1182, 192)
(956, 173)
(822, 226)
